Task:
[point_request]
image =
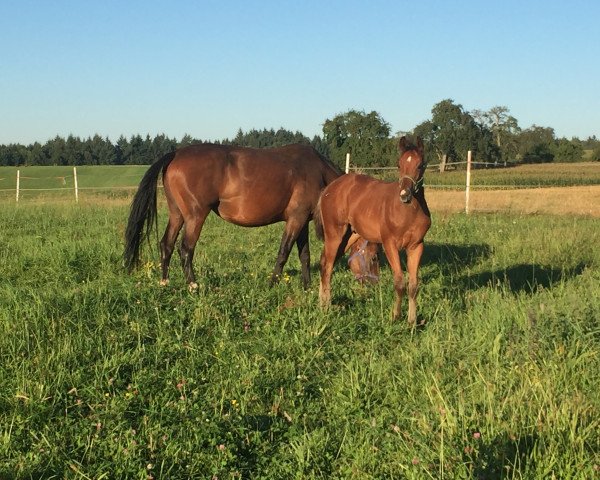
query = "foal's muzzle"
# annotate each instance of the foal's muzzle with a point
(407, 188)
(406, 195)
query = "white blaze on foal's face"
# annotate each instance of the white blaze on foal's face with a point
(408, 160)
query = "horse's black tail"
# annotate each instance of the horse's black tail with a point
(142, 216)
(318, 221)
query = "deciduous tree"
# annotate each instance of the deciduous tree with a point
(365, 135)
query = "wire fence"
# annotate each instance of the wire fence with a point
(436, 166)
(116, 181)
(33, 182)
(498, 176)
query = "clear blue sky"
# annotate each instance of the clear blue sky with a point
(208, 68)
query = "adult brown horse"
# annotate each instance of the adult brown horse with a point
(394, 214)
(245, 186)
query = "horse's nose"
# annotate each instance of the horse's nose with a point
(405, 195)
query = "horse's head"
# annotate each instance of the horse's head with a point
(363, 261)
(411, 166)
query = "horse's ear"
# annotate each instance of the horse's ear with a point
(420, 145)
(402, 143)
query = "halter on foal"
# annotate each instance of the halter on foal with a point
(394, 214)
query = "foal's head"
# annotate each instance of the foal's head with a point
(411, 166)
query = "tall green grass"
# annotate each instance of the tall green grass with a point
(108, 375)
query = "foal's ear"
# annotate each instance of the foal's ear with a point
(402, 144)
(420, 146)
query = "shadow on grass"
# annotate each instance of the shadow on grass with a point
(249, 459)
(502, 456)
(444, 256)
(454, 261)
(448, 256)
(526, 278)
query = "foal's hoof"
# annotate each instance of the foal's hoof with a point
(324, 304)
(193, 287)
(164, 282)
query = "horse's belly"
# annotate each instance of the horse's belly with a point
(366, 221)
(368, 230)
(245, 214)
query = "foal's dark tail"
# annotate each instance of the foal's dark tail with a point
(142, 216)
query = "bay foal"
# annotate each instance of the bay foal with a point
(394, 214)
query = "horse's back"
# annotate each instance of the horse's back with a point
(247, 186)
(357, 191)
(252, 163)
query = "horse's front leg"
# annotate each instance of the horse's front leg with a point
(393, 256)
(413, 259)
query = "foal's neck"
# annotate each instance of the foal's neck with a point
(420, 198)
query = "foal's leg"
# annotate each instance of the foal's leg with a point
(393, 256)
(304, 255)
(413, 259)
(336, 238)
(193, 227)
(291, 232)
(167, 244)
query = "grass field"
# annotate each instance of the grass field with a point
(58, 182)
(108, 375)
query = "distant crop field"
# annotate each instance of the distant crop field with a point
(519, 176)
(107, 375)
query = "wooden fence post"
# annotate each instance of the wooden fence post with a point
(18, 183)
(443, 163)
(347, 162)
(75, 182)
(468, 186)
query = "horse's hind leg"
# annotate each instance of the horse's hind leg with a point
(193, 227)
(334, 245)
(413, 259)
(167, 244)
(304, 255)
(292, 230)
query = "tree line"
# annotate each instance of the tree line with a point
(493, 136)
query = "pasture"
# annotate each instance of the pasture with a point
(108, 375)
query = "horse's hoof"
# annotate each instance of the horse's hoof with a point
(324, 304)
(193, 287)
(164, 282)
